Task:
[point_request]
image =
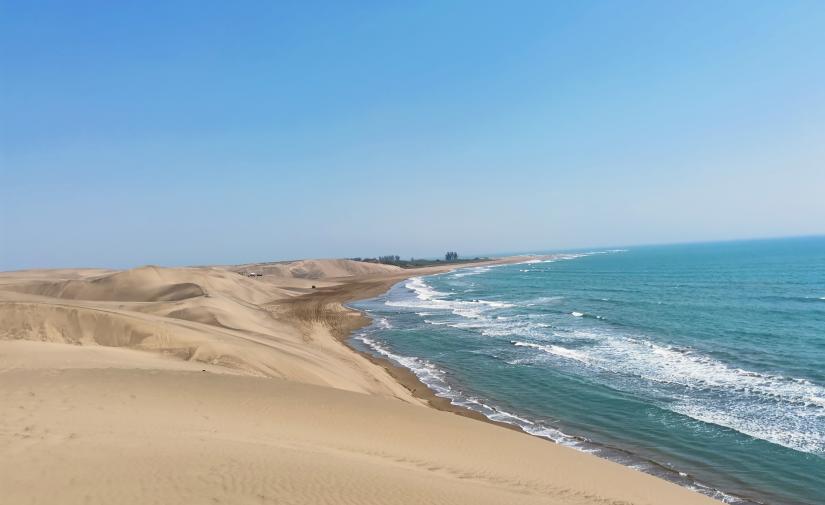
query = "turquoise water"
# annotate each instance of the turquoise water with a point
(701, 363)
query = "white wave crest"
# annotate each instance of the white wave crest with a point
(743, 400)
(756, 420)
(427, 373)
(472, 271)
(383, 322)
(434, 378)
(557, 350)
(428, 298)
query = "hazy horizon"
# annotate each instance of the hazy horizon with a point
(190, 134)
(436, 255)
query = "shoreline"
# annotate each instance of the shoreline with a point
(309, 308)
(407, 378)
(195, 367)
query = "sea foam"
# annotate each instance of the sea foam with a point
(428, 298)
(674, 351)
(651, 364)
(783, 410)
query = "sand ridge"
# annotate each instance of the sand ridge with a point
(208, 315)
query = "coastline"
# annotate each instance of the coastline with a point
(325, 306)
(405, 377)
(250, 382)
(316, 306)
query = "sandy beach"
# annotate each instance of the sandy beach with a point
(205, 385)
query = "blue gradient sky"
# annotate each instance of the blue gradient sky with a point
(229, 132)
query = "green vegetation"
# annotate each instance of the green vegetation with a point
(394, 259)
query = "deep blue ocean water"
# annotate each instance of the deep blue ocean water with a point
(700, 363)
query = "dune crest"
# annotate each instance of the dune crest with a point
(205, 314)
(319, 269)
(151, 284)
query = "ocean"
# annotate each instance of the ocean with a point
(703, 363)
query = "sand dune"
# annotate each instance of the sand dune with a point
(151, 284)
(220, 318)
(202, 385)
(318, 269)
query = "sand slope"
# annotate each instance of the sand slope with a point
(205, 315)
(202, 385)
(150, 284)
(138, 436)
(317, 269)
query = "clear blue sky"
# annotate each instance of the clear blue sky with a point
(194, 132)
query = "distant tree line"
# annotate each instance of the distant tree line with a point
(394, 259)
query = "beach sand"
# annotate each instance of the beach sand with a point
(203, 385)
